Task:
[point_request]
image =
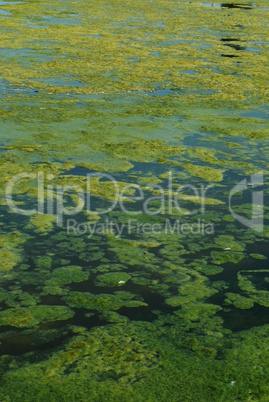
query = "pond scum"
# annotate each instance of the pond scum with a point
(139, 90)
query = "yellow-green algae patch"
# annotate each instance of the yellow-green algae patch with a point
(238, 301)
(29, 317)
(11, 250)
(43, 223)
(126, 58)
(205, 172)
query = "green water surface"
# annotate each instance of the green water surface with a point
(167, 98)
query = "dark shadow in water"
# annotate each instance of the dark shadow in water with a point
(234, 46)
(154, 300)
(229, 40)
(19, 344)
(233, 318)
(229, 55)
(243, 6)
(240, 320)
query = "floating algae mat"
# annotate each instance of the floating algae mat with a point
(134, 203)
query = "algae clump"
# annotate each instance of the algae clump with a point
(66, 275)
(89, 301)
(241, 302)
(205, 172)
(29, 317)
(43, 223)
(113, 279)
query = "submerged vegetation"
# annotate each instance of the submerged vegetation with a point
(169, 98)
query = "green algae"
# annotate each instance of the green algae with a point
(197, 311)
(91, 256)
(107, 267)
(66, 275)
(113, 279)
(89, 301)
(43, 223)
(191, 292)
(125, 76)
(124, 295)
(92, 360)
(135, 304)
(8, 260)
(210, 269)
(258, 256)
(51, 313)
(43, 262)
(18, 298)
(241, 302)
(10, 250)
(29, 317)
(113, 317)
(127, 253)
(222, 257)
(20, 317)
(157, 94)
(204, 172)
(246, 282)
(53, 290)
(116, 353)
(228, 242)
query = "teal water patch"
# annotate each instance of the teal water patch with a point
(61, 21)
(5, 13)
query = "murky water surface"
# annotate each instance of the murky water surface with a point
(134, 201)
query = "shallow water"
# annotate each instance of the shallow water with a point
(159, 291)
